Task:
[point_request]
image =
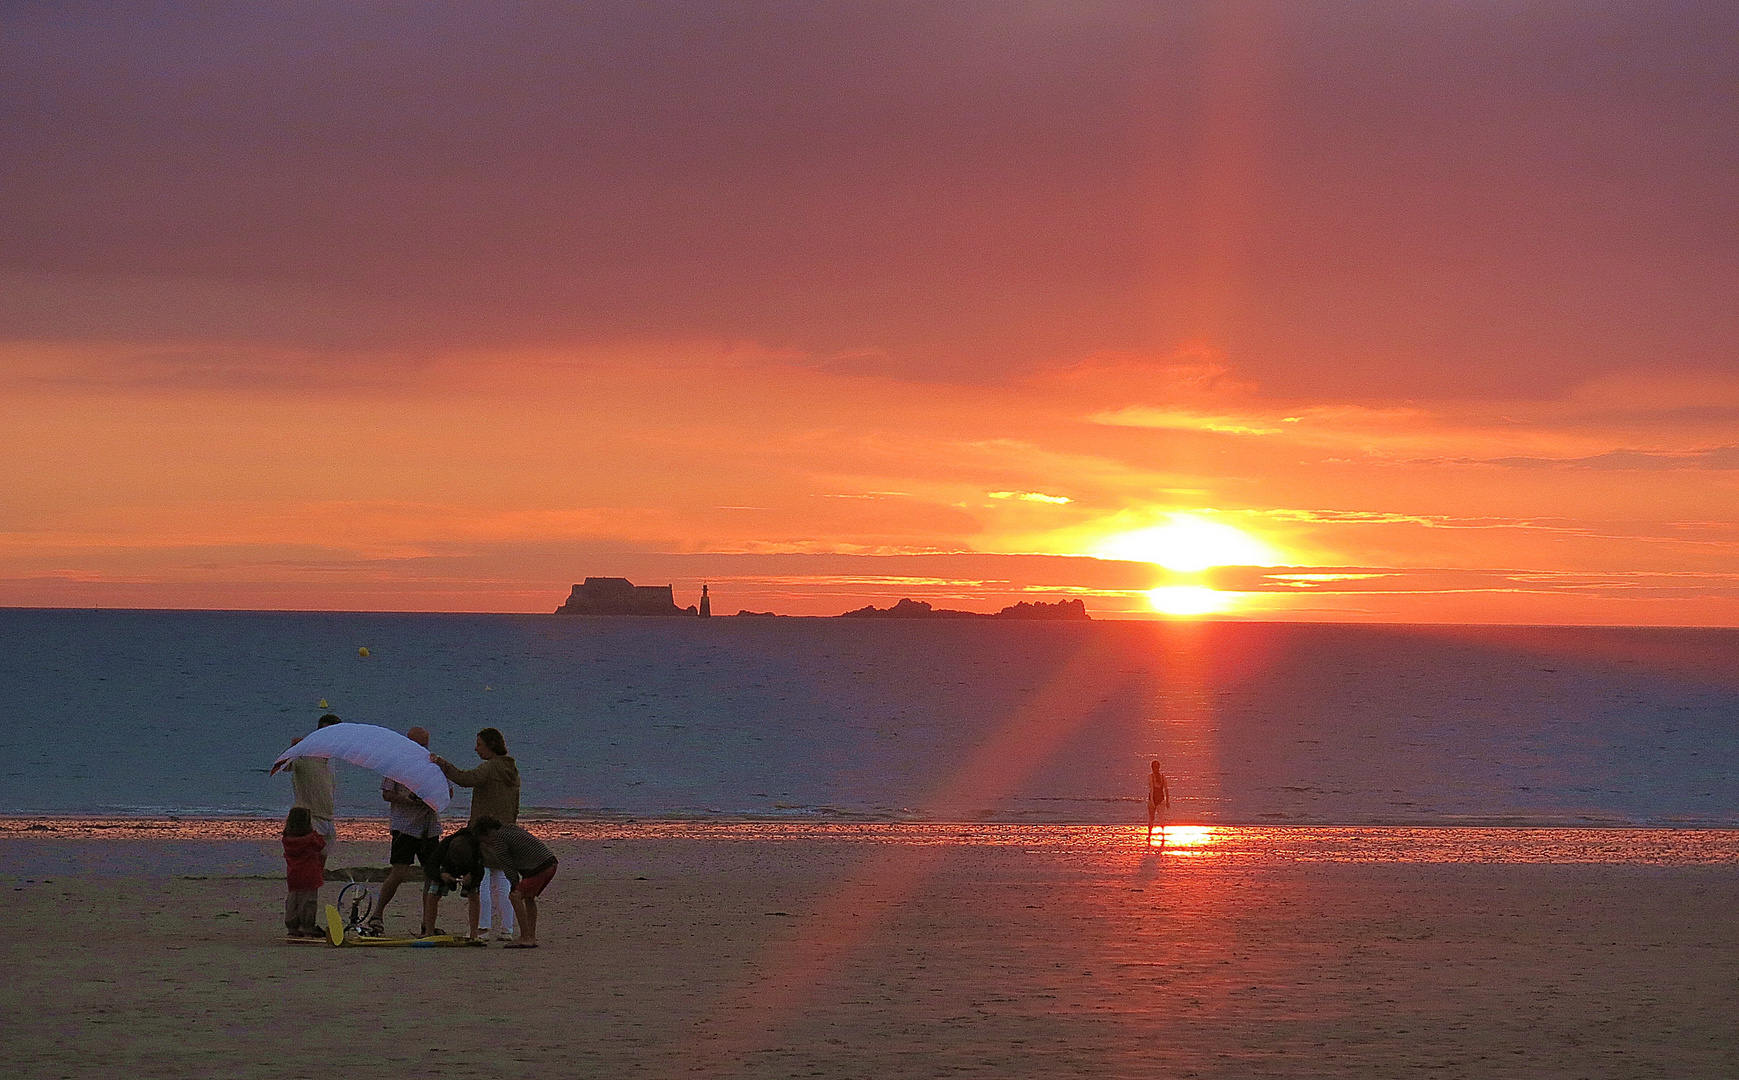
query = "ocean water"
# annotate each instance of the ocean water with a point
(152, 714)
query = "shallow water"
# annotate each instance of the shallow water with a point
(37, 848)
(181, 713)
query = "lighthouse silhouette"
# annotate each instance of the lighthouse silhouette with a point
(706, 604)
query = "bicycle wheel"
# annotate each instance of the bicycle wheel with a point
(360, 899)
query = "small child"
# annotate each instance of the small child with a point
(305, 869)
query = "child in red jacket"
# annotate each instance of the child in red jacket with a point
(305, 869)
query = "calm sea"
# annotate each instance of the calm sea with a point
(152, 713)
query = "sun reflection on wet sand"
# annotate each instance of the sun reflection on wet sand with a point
(1222, 843)
(1191, 838)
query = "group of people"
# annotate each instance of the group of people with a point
(499, 868)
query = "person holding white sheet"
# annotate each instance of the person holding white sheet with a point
(494, 788)
(416, 833)
(311, 780)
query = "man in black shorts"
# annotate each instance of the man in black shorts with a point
(416, 833)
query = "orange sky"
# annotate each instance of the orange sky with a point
(308, 309)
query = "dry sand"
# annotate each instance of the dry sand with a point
(884, 953)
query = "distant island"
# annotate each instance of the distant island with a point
(619, 596)
(920, 609)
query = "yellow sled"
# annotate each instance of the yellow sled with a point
(336, 935)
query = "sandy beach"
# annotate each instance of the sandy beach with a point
(857, 951)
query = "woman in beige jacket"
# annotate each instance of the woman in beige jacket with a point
(494, 788)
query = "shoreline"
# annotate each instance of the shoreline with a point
(362, 841)
(12, 823)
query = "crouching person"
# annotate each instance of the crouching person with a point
(528, 865)
(457, 864)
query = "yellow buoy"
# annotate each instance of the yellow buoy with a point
(323, 704)
(363, 652)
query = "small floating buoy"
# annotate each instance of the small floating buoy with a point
(323, 704)
(363, 652)
(489, 688)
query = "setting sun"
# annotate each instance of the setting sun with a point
(1188, 600)
(1188, 544)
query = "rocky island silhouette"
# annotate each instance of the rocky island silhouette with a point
(619, 596)
(919, 609)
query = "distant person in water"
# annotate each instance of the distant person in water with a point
(311, 780)
(416, 835)
(494, 794)
(1158, 797)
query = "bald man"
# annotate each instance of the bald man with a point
(416, 832)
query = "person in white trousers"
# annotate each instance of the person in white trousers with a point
(494, 788)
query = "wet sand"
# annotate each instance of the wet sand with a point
(849, 951)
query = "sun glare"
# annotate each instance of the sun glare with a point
(1187, 836)
(1188, 600)
(1189, 544)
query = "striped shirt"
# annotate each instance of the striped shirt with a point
(515, 851)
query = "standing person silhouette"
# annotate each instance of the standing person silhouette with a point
(1158, 798)
(311, 780)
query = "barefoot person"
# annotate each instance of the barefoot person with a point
(1158, 797)
(494, 793)
(526, 862)
(416, 835)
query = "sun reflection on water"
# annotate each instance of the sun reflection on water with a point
(1189, 835)
(1182, 836)
(1189, 600)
